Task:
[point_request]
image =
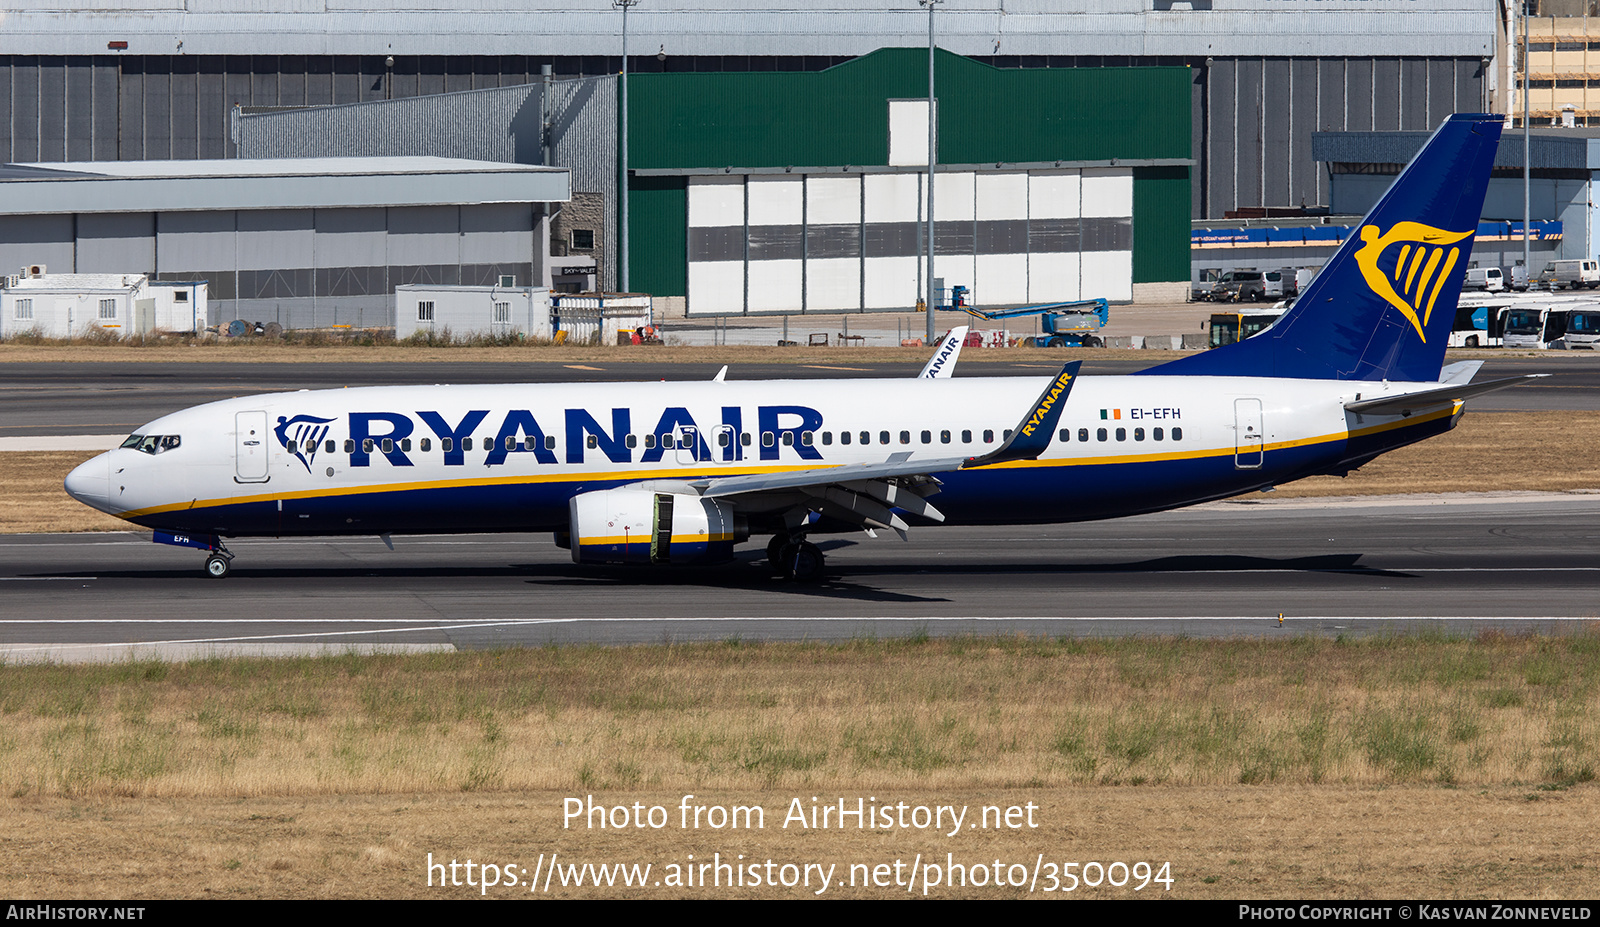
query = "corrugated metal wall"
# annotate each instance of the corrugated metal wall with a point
(1260, 110)
(841, 116)
(502, 124)
(1256, 115)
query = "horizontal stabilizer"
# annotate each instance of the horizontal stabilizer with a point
(1432, 398)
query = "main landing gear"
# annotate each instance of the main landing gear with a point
(795, 558)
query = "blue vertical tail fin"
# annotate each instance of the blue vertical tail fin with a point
(1383, 307)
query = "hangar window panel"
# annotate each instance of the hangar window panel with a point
(1108, 274)
(954, 193)
(1053, 195)
(108, 308)
(1054, 277)
(24, 309)
(775, 242)
(833, 200)
(1107, 192)
(892, 198)
(776, 201)
(425, 311)
(775, 286)
(908, 130)
(716, 201)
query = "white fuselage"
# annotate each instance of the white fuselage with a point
(510, 457)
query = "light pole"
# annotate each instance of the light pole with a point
(1527, 166)
(622, 174)
(933, 160)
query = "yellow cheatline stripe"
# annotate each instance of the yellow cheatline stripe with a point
(640, 475)
(645, 538)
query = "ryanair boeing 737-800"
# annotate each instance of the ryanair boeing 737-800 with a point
(677, 473)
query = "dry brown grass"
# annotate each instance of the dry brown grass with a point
(35, 501)
(929, 715)
(1296, 768)
(1232, 842)
(1546, 451)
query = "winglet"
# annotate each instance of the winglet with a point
(1032, 434)
(943, 361)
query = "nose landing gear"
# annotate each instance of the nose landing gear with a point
(219, 564)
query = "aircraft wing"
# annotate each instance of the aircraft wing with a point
(866, 494)
(1432, 398)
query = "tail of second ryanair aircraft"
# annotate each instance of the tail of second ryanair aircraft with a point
(1383, 307)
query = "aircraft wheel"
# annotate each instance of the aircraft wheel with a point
(802, 562)
(775, 549)
(218, 566)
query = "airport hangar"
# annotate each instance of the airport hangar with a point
(305, 243)
(778, 192)
(132, 81)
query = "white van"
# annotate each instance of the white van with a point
(1485, 278)
(1558, 274)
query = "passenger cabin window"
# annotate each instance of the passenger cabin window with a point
(1155, 433)
(649, 441)
(788, 439)
(844, 437)
(594, 442)
(866, 437)
(1122, 434)
(905, 437)
(331, 445)
(827, 438)
(1177, 434)
(1083, 434)
(944, 437)
(883, 437)
(631, 441)
(466, 444)
(966, 437)
(349, 445)
(1100, 434)
(988, 436)
(426, 444)
(1065, 435)
(768, 439)
(447, 444)
(1138, 434)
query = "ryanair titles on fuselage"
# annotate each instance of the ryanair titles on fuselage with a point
(519, 431)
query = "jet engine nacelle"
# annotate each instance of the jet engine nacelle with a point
(644, 526)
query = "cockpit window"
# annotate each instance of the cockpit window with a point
(152, 444)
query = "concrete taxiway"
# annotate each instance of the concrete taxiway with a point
(1465, 564)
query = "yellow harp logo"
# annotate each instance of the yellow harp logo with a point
(1423, 261)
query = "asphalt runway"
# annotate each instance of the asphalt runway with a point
(111, 398)
(1518, 562)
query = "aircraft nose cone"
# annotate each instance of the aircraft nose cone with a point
(90, 483)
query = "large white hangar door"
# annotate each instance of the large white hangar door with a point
(716, 244)
(840, 242)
